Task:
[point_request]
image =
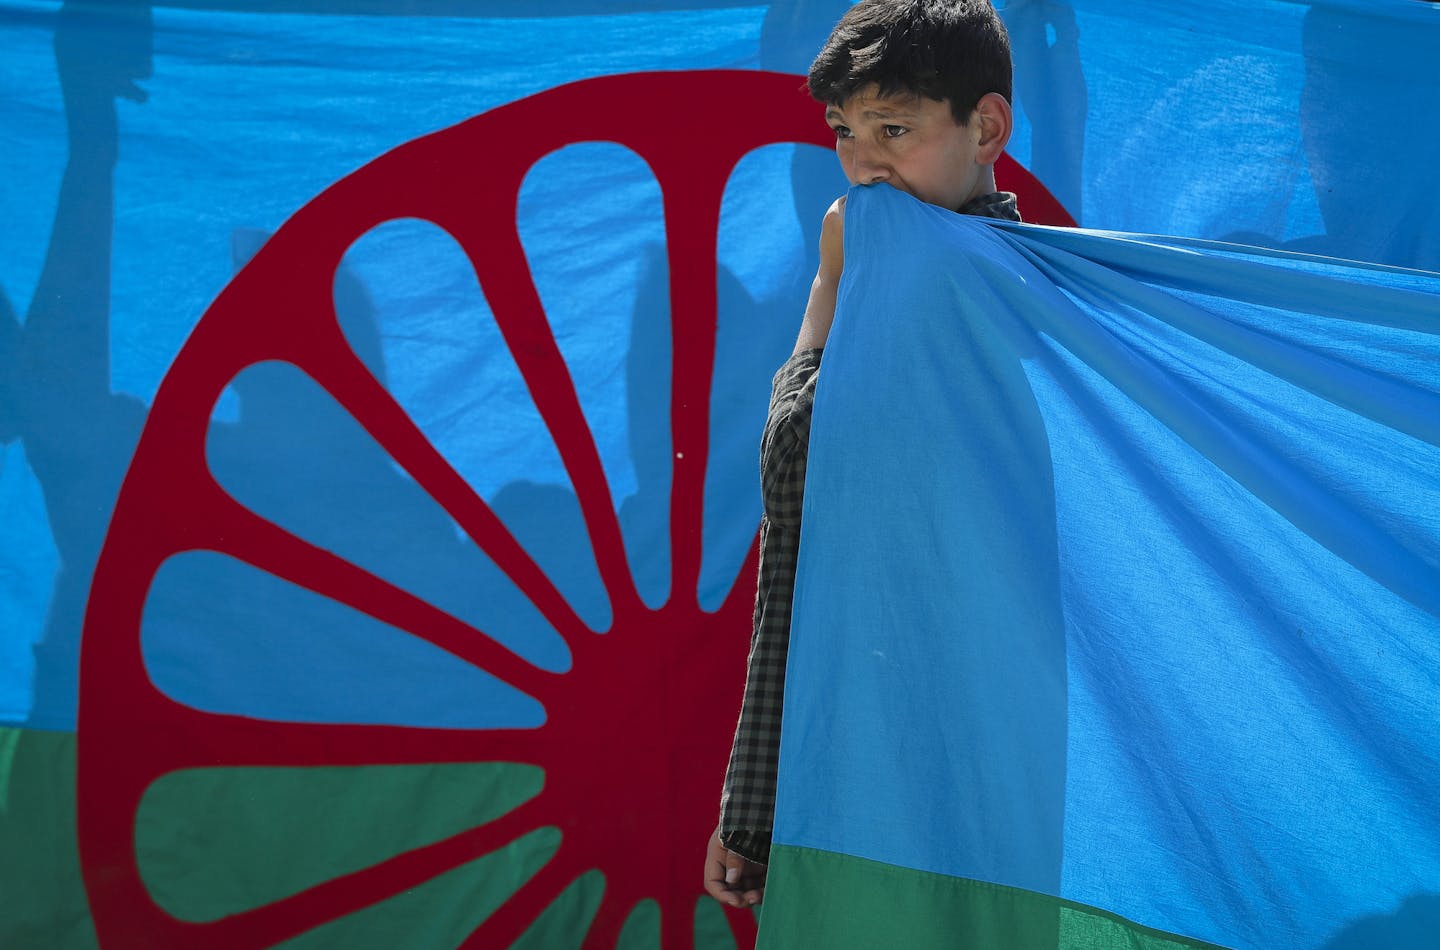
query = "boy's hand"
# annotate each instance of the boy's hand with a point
(731, 879)
(820, 311)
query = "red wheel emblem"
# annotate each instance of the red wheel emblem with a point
(631, 786)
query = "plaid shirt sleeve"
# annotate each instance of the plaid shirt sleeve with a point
(747, 805)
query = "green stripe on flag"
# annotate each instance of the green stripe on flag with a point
(440, 913)
(217, 841)
(821, 899)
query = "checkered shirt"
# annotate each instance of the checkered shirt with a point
(747, 803)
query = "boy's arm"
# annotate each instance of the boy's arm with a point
(749, 799)
(747, 807)
(785, 443)
(820, 310)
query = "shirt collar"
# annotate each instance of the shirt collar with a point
(996, 204)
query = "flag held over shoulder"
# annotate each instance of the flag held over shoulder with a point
(1117, 620)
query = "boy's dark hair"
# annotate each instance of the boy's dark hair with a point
(953, 50)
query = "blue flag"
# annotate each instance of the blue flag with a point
(1119, 591)
(153, 153)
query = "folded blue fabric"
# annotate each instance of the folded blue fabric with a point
(1120, 574)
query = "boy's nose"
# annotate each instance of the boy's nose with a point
(866, 166)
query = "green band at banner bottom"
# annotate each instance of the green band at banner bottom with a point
(821, 899)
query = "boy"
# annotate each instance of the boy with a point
(918, 93)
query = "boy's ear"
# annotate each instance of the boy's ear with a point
(997, 121)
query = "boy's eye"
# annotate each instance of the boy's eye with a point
(841, 131)
(894, 131)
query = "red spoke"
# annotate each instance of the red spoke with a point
(677, 924)
(693, 183)
(353, 386)
(240, 741)
(512, 918)
(743, 927)
(609, 918)
(504, 273)
(693, 293)
(271, 548)
(300, 912)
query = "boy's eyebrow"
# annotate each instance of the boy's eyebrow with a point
(834, 113)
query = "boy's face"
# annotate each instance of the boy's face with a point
(910, 142)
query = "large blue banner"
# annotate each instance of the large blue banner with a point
(154, 155)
